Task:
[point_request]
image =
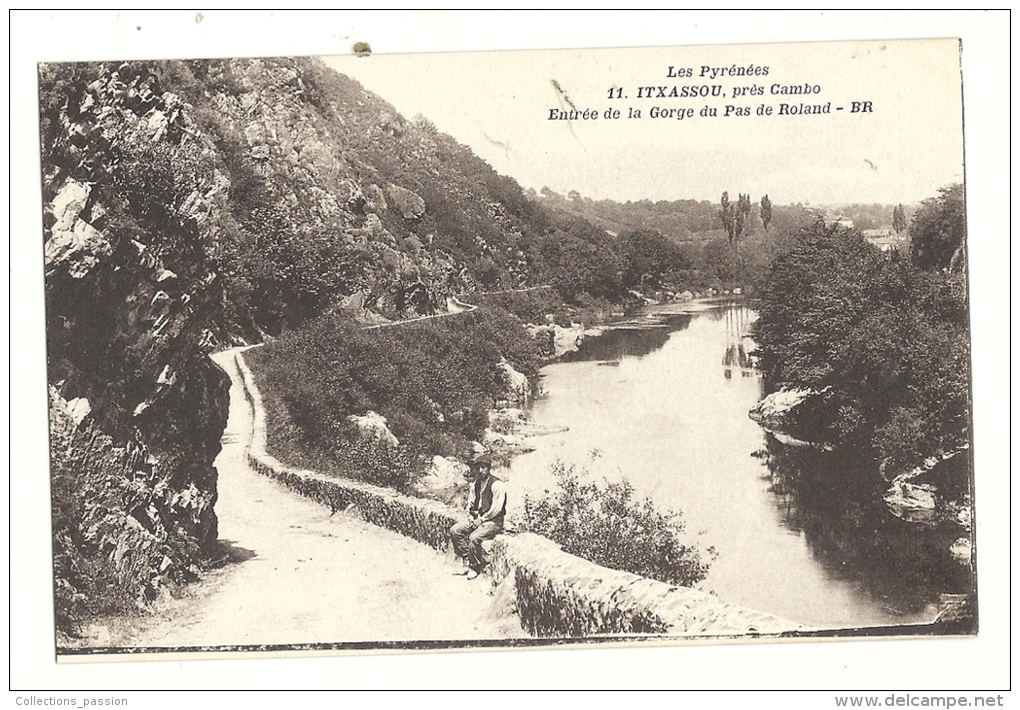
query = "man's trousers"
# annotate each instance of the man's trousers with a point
(467, 537)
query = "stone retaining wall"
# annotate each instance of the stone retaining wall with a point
(561, 594)
(558, 594)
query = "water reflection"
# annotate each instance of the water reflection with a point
(835, 500)
(799, 533)
(630, 339)
(738, 341)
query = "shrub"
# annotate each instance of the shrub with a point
(434, 382)
(608, 527)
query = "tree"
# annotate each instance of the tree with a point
(766, 211)
(733, 216)
(726, 214)
(899, 219)
(938, 231)
(884, 344)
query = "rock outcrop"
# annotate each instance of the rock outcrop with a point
(563, 340)
(443, 473)
(132, 298)
(518, 389)
(410, 205)
(775, 407)
(373, 426)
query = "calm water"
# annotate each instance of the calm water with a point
(663, 402)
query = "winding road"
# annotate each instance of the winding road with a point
(454, 306)
(296, 574)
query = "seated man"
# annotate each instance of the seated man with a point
(486, 510)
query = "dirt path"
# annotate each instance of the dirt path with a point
(299, 575)
(454, 308)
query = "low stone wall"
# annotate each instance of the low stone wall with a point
(558, 594)
(561, 594)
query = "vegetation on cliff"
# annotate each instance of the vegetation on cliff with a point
(434, 381)
(882, 341)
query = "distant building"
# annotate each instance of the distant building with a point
(885, 239)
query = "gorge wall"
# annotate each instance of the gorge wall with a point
(132, 296)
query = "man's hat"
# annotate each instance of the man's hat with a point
(481, 458)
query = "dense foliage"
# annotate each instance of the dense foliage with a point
(883, 343)
(938, 231)
(433, 380)
(679, 245)
(604, 524)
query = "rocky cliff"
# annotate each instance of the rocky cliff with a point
(132, 301)
(334, 194)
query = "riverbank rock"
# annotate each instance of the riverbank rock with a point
(564, 340)
(935, 491)
(778, 405)
(776, 411)
(915, 503)
(504, 447)
(961, 550)
(373, 426)
(518, 389)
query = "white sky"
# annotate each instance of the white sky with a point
(499, 104)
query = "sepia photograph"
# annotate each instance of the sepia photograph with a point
(321, 375)
(507, 350)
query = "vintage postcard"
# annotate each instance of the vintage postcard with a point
(508, 349)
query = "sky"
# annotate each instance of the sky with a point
(499, 103)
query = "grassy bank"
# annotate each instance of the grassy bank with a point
(434, 381)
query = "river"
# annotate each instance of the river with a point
(662, 400)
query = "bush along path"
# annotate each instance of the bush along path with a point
(297, 574)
